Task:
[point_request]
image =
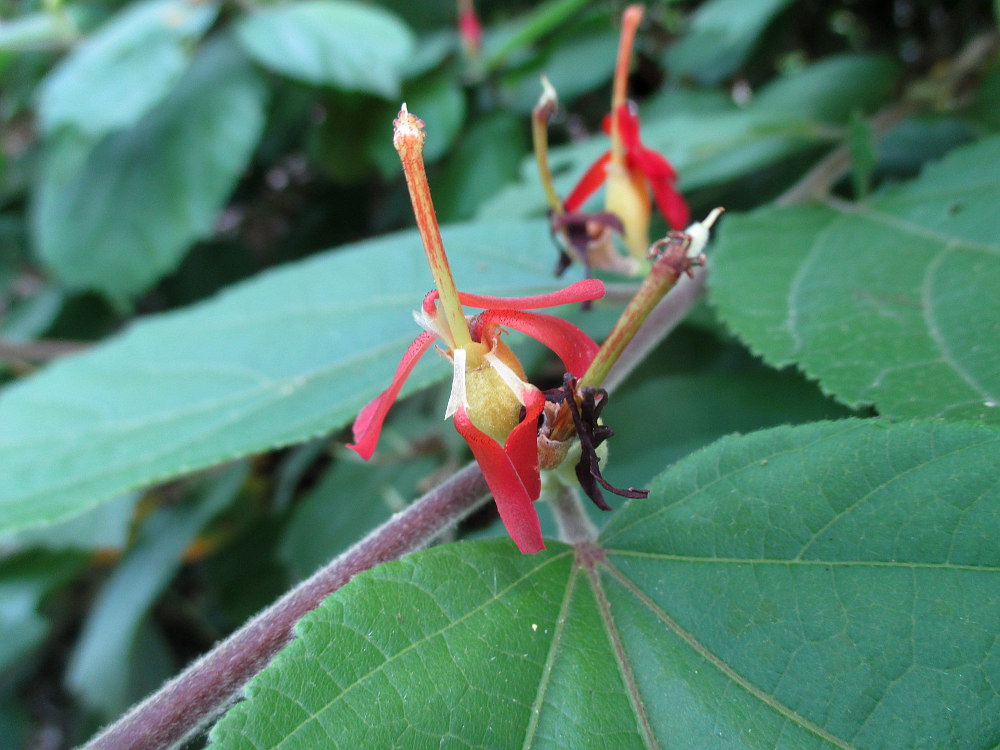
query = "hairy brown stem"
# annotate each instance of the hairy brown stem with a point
(207, 687)
(38, 351)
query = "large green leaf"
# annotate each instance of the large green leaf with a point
(118, 214)
(337, 43)
(831, 585)
(292, 354)
(721, 36)
(893, 302)
(122, 71)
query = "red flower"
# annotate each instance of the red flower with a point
(644, 166)
(495, 410)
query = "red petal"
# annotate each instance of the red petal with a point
(628, 126)
(522, 442)
(368, 425)
(515, 503)
(428, 306)
(588, 184)
(581, 291)
(670, 202)
(575, 348)
(651, 163)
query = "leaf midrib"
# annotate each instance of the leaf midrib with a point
(792, 562)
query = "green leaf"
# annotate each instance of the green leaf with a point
(122, 71)
(282, 358)
(505, 41)
(99, 668)
(904, 150)
(25, 580)
(485, 160)
(104, 527)
(699, 409)
(116, 215)
(721, 35)
(37, 31)
(892, 303)
(347, 45)
(831, 585)
(582, 63)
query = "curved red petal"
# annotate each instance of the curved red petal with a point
(581, 291)
(628, 127)
(671, 204)
(368, 425)
(428, 305)
(575, 348)
(515, 503)
(521, 445)
(651, 163)
(588, 184)
(660, 175)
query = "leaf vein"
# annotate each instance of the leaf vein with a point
(719, 664)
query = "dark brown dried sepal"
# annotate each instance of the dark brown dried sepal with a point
(591, 433)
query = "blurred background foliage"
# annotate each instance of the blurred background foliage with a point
(153, 153)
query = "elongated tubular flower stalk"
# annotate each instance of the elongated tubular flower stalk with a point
(631, 18)
(540, 117)
(408, 139)
(677, 254)
(629, 170)
(495, 410)
(584, 237)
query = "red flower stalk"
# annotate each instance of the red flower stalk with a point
(630, 170)
(494, 408)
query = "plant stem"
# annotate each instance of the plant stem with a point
(408, 138)
(208, 686)
(540, 117)
(666, 316)
(662, 277)
(575, 527)
(39, 351)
